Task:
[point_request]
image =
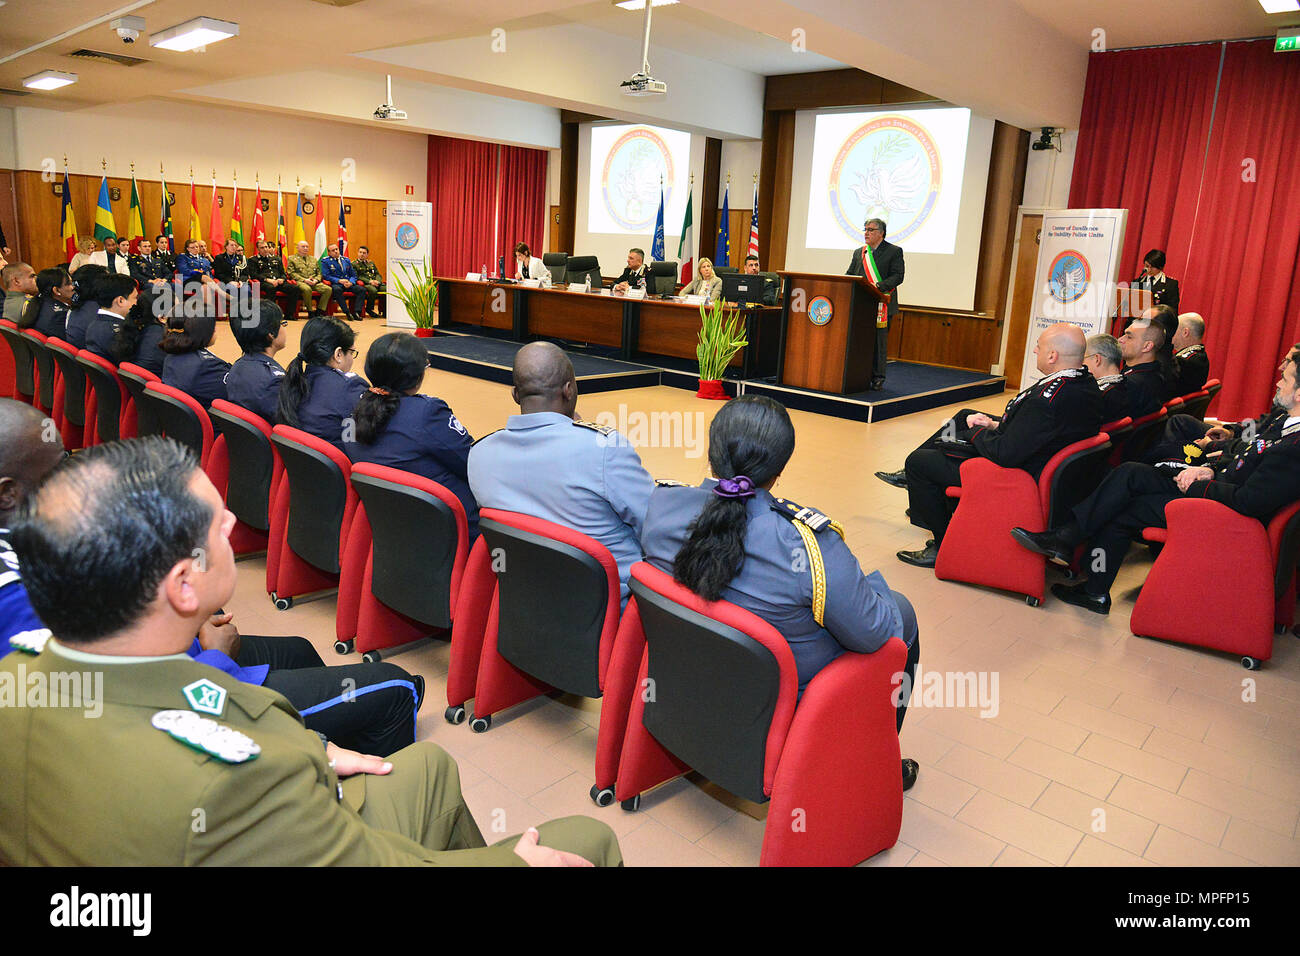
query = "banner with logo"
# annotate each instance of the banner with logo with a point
(409, 225)
(1075, 280)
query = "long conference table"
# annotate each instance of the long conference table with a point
(635, 327)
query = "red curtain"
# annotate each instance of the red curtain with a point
(1154, 139)
(462, 189)
(523, 201)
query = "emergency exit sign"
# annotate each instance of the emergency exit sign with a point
(1288, 40)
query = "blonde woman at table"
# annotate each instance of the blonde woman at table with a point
(706, 283)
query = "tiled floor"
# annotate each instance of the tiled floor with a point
(1106, 749)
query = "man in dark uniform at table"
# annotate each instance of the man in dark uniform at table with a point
(889, 262)
(634, 275)
(771, 287)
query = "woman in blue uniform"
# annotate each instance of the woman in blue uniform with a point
(320, 390)
(254, 379)
(400, 428)
(147, 329)
(84, 307)
(189, 365)
(730, 539)
(47, 312)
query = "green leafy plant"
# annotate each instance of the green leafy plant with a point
(722, 334)
(418, 291)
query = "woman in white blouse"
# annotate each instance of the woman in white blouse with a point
(706, 283)
(528, 266)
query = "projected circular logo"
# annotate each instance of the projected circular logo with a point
(406, 236)
(629, 182)
(888, 169)
(820, 310)
(1068, 276)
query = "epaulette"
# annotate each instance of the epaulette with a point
(813, 519)
(807, 522)
(669, 483)
(603, 429)
(481, 437)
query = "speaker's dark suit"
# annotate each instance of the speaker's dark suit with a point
(1164, 290)
(889, 260)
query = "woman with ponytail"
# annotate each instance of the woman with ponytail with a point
(398, 427)
(729, 539)
(188, 365)
(320, 390)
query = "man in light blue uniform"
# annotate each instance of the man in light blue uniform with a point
(547, 464)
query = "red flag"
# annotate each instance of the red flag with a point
(259, 227)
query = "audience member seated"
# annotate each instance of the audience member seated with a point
(1062, 407)
(550, 464)
(203, 251)
(1191, 362)
(368, 276)
(304, 272)
(19, 282)
(163, 255)
(48, 312)
(706, 283)
(1258, 479)
(529, 266)
(84, 306)
(125, 554)
(110, 334)
(398, 427)
(112, 257)
(267, 268)
(146, 329)
(337, 273)
(1189, 440)
(1139, 345)
(771, 286)
(85, 249)
(254, 380)
(320, 390)
(148, 269)
(189, 365)
(634, 276)
(231, 266)
(1102, 358)
(195, 268)
(729, 539)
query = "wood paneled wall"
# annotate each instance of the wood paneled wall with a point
(39, 211)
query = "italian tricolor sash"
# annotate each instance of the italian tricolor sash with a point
(872, 273)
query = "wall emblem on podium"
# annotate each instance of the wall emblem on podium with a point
(1069, 276)
(888, 169)
(629, 183)
(820, 310)
(406, 236)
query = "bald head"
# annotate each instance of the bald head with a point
(26, 456)
(1060, 346)
(18, 277)
(1191, 330)
(544, 380)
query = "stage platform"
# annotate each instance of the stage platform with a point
(909, 388)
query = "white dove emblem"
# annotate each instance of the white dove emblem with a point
(1073, 279)
(897, 189)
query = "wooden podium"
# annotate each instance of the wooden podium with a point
(829, 343)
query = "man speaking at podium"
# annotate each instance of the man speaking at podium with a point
(887, 276)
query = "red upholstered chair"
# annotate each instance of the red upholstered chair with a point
(1192, 595)
(106, 398)
(69, 393)
(312, 506)
(241, 465)
(1195, 404)
(136, 419)
(725, 703)
(550, 626)
(180, 417)
(979, 549)
(20, 385)
(45, 370)
(1146, 431)
(410, 536)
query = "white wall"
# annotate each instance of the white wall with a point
(1048, 172)
(741, 159)
(180, 135)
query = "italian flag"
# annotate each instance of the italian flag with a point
(686, 248)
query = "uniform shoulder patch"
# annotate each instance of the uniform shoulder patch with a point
(669, 483)
(206, 735)
(815, 520)
(603, 429)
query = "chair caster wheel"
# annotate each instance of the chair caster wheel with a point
(480, 725)
(631, 806)
(1033, 601)
(601, 798)
(372, 657)
(454, 715)
(282, 604)
(1251, 663)
(344, 647)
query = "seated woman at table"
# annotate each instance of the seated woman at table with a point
(528, 266)
(706, 283)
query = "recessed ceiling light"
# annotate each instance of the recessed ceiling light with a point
(193, 34)
(1279, 6)
(49, 80)
(640, 4)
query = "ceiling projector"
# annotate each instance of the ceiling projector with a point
(643, 84)
(386, 112)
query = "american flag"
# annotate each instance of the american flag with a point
(753, 226)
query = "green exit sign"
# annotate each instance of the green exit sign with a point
(1286, 44)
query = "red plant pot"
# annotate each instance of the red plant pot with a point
(712, 388)
(424, 333)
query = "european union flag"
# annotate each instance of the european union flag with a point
(722, 255)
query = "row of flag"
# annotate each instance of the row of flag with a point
(686, 247)
(106, 228)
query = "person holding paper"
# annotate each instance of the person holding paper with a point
(528, 266)
(888, 276)
(706, 283)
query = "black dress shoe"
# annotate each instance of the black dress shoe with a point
(1077, 596)
(910, 769)
(896, 478)
(925, 558)
(877, 385)
(419, 690)
(1047, 543)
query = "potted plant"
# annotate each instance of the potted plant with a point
(721, 337)
(417, 289)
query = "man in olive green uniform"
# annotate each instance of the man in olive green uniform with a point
(304, 272)
(368, 274)
(121, 750)
(268, 270)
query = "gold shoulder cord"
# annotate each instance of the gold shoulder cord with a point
(817, 568)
